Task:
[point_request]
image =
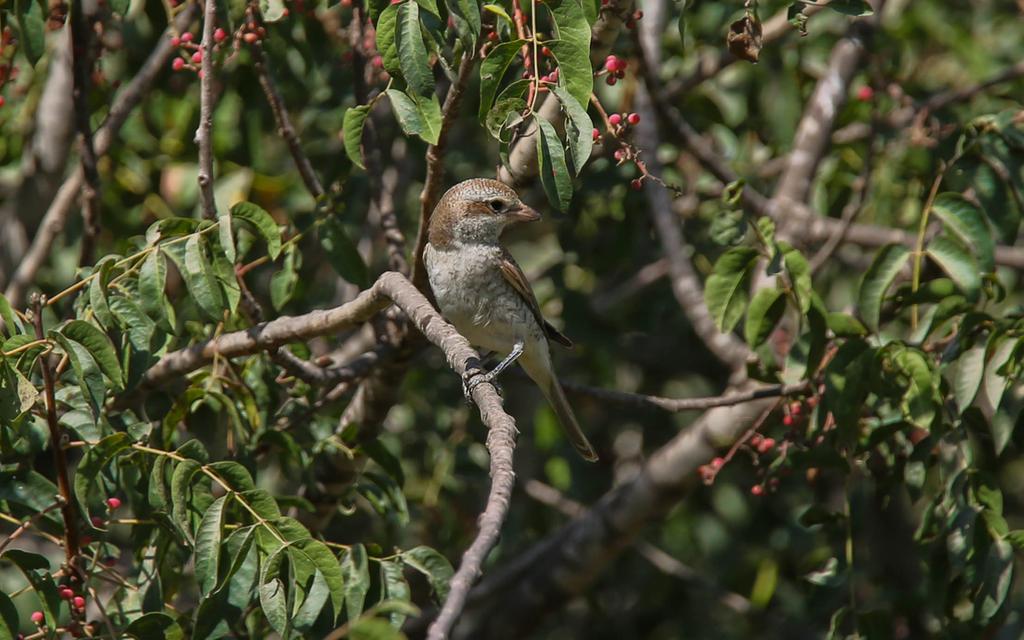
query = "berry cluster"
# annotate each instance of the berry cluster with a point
(615, 68)
(759, 446)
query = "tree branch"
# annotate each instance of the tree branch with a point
(206, 99)
(675, 405)
(56, 214)
(82, 66)
(434, 181)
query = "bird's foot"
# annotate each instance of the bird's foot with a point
(475, 377)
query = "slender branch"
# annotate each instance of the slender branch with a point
(676, 405)
(56, 214)
(686, 284)
(68, 507)
(284, 123)
(860, 190)
(82, 66)
(206, 99)
(431, 192)
(27, 524)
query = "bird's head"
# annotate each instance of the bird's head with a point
(476, 212)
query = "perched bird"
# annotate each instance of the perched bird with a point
(482, 291)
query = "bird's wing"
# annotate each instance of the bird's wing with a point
(514, 276)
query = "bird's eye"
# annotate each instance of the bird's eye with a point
(496, 205)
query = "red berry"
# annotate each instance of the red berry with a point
(788, 421)
(197, 57)
(86, 540)
(631, 24)
(219, 35)
(492, 36)
(346, 3)
(638, 14)
(611, 80)
(633, 118)
(757, 490)
(200, 74)
(620, 74)
(636, 184)
(250, 38)
(613, 64)
(597, 135)
(175, 40)
(756, 439)
(795, 408)
(113, 503)
(38, 617)
(66, 593)
(718, 463)
(186, 37)
(79, 602)
(812, 402)
(178, 64)
(554, 75)
(619, 155)
(865, 93)
(97, 521)
(766, 445)
(285, 11)
(2, 101)
(545, 51)
(615, 119)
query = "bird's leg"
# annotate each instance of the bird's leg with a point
(474, 378)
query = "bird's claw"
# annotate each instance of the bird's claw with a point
(472, 379)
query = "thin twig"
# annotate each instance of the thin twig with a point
(861, 187)
(27, 524)
(284, 124)
(82, 66)
(686, 404)
(203, 134)
(68, 507)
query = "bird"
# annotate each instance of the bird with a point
(483, 292)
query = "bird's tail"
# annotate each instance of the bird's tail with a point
(556, 397)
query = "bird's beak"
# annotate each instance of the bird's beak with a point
(523, 213)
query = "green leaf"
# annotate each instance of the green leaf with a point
(224, 235)
(387, 44)
(395, 587)
(499, 11)
(262, 503)
(90, 378)
(997, 578)
(341, 252)
(208, 542)
(374, 629)
(970, 367)
(418, 115)
(433, 565)
(957, 263)
(492, 70)
(99, 346)
(200, 278)
(920, 400)
(572, 49)
(134, 322)
(154, 626)
(12, 323)
(580, 130)
(317, 554)
(1000, 349)
(17, 393)
(313, 603)
(98, 293)
(272, 593)
(96, 458)
(466, 16)
(283, 282)
(181, 482)
(31, 30)
(883, 270)
(845, 325)
(152, 282)
(725, 292)
(355, 118)
(765, 311)
(412, 53)
(262, 223)
(36, 569)
(554, 174)
(156, 492)
(799, 275)
(237, 546)
(235, 475)
(356, 570)
(379, 454)
(967, 222)
(9, 623)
